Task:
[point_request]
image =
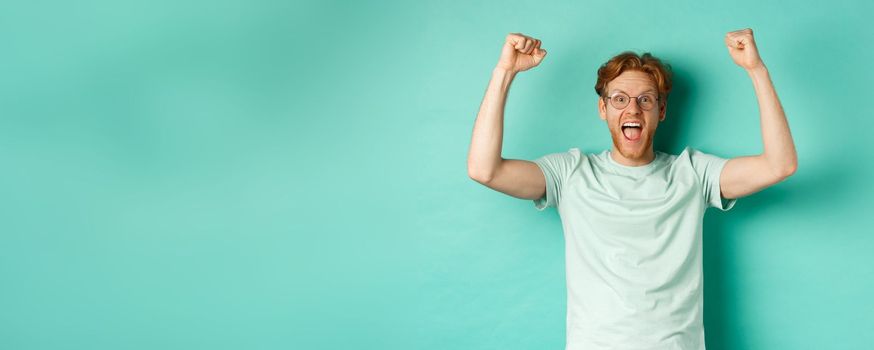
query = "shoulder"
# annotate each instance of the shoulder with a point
(565, 161)
(572, 154)
(695, 155)
(699, 156)
(704, 164)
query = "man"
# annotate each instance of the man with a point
(632, 216)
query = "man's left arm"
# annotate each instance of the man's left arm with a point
(742, 176)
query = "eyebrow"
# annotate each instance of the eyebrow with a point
(643, 92)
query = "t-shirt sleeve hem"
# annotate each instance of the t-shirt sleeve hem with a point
(547, 199)
(724, 204)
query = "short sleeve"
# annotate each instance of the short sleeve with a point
(556, 168)
(708, 168)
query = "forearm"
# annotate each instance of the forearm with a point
(484, 155)
(776, 137)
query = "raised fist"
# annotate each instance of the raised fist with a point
(520, 53)
(742, 48)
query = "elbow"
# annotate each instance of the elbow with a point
(792, 167)
(482, 174)
(479, 176)
(783, 167)
(788, 170)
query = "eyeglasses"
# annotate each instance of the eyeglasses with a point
(621, 100)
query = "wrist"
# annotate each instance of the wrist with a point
(758, 70)
(503, 71)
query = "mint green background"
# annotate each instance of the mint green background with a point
(288, 175)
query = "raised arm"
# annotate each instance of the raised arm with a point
(518, 178)
(743, 176)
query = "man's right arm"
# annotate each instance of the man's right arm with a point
(518, 178)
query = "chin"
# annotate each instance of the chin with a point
(632, 151)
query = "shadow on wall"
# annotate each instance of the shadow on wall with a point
(804, 193)
(670, 130)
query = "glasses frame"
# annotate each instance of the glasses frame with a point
(637, 98)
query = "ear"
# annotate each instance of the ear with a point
(602, 108)
(663, 109)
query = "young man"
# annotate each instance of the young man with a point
(632, 216)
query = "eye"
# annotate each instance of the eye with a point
(646, 99)
(621, 98)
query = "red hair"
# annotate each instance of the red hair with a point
(659, 72)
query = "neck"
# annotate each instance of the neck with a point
(645, 159)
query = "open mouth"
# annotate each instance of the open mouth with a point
(632, 131)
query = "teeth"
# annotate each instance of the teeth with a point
(631, 124)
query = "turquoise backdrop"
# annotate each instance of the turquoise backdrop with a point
(292, 175)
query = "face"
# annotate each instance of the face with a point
(637, 151)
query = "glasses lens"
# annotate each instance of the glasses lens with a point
(619, 100)
(646, 101)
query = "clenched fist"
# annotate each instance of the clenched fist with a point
(742, 48)
(520, 53)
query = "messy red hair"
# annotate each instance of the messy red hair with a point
(659, 72)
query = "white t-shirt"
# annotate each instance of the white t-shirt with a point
(633, 246)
